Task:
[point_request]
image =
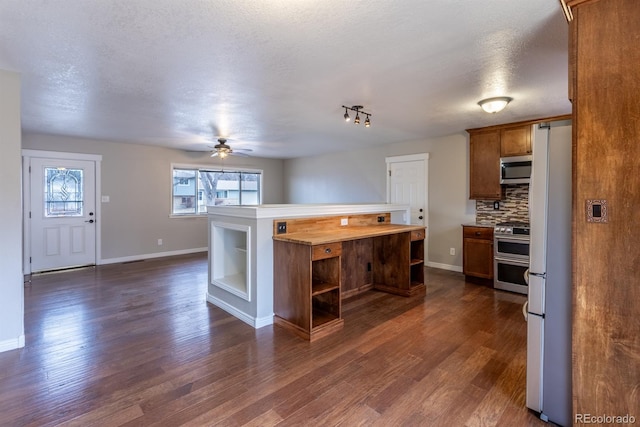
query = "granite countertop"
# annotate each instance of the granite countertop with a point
(478, 224)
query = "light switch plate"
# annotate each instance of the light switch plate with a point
(597, 210)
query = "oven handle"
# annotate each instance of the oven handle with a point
(525, 309)
(521, 262)
(513, 238)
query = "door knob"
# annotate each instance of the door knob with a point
(420, 209)
(90, 221)
(420, 217)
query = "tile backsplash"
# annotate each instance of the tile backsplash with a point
(514, 206)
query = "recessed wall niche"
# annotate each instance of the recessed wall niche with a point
(230, 259)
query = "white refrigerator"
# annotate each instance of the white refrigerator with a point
(548, 307)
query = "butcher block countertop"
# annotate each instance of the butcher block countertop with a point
(346, 233)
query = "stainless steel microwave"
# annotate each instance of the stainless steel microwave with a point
(515, 170)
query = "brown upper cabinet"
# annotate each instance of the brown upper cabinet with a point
(484, 165)
(515, 141)
(487, 145)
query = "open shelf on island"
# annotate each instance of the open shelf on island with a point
(230, 260)
(321, 287)
(321, 317)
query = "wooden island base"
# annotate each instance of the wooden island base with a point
(318, 263)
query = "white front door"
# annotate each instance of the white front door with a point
(62, 213)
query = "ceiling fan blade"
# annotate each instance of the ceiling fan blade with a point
(215, 130)
(214, 154)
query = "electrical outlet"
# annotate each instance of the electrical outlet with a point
(452, 251)
(281, 228)
(344, 221)
(381, 219)
(496, 205)
(159, 242)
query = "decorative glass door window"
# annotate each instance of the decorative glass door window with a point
(63, 195)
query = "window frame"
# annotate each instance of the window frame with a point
(208, 168)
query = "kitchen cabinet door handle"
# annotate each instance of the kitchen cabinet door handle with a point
(327, 251)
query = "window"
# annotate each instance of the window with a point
(196, 188)
(63, 196)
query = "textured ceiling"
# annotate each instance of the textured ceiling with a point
(272, 75)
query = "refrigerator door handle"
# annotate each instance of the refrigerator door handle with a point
(526, 277)
(543, 275)
(525, 312)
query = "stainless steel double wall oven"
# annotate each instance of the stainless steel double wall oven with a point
(511, 256)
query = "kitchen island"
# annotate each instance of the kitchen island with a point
(316, 268)
(241, 262)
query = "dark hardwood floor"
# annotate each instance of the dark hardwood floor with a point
(136, 344)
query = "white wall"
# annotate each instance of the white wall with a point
(360, 176)
(11, 279)
(137, 178)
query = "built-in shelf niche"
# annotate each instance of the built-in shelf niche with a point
(231, 258)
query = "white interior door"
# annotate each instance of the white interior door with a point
(407, 183)
(407, 186)
(62, 213)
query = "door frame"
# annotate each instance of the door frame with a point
(410, 158)
(27, 155)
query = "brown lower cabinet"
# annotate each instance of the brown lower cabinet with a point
(307, 292)
(309, 280)
(477, 251)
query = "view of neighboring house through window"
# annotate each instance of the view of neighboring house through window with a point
(195, 189)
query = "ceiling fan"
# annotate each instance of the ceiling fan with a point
(223, 150)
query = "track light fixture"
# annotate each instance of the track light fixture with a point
(358, 110)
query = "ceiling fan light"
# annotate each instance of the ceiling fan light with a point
(494, 105)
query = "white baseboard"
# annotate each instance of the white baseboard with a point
(254, 322)
(151, 256)
(445, 266)
(12, 344)
(263, 321)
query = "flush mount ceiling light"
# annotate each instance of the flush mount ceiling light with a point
(494, 105)
(358, 110)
